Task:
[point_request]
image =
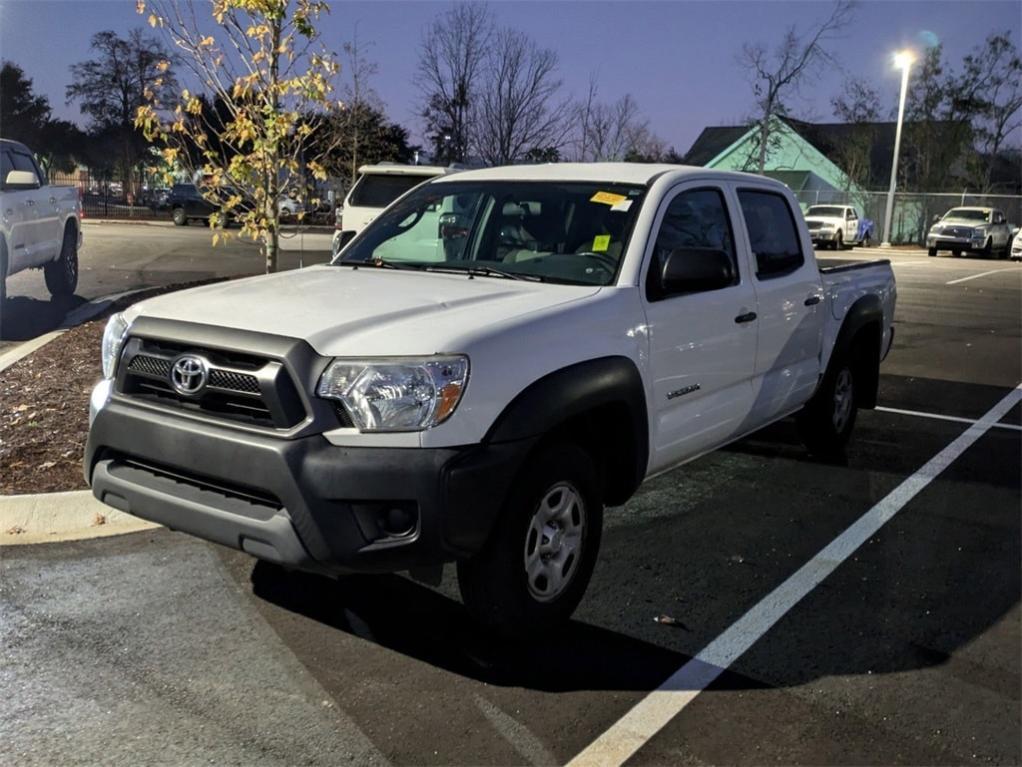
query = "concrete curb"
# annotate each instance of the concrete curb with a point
(69, 516)
(133, 222)
(22, 350)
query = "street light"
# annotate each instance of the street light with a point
(902, 60)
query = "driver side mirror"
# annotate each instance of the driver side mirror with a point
(693, 270)
(21, 179)
(936, 218)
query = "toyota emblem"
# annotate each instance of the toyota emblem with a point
(188, 374)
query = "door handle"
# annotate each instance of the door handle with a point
(53, 201)
(812, 301)
(30, 203)
(747, 317)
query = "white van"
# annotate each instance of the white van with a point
(377, 187)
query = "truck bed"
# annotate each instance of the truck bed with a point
(832, 265)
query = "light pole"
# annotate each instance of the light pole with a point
(903, 61)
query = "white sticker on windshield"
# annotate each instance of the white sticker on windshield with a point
(621, 207)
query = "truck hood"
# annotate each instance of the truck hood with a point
(970, 222)
(342, 311)
(835, 221)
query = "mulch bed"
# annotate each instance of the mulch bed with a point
(44, 408)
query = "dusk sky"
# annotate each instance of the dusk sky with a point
(678, 59)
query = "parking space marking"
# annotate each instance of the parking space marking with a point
(939, 417)
(651, 714)
(983, 274)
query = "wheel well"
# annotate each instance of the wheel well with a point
(605, 432)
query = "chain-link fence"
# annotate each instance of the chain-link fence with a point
(913, 211)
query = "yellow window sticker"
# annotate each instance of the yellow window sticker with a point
(608, 198)
(600, 243)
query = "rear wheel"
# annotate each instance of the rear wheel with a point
(62, 275)
(534, 569)
(180, 219)
(826, 422)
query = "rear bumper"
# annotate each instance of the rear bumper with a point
(303, 503)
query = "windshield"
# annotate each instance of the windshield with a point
(825, 210)
(967, 214)
(572, 233)
(378, 190)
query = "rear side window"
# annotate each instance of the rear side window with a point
(773, 235)
(380, 190)
(23, 162)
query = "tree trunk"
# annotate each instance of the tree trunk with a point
(271, 249)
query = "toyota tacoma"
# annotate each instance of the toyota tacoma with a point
(495, 359)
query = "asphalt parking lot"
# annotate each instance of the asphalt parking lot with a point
(158, 648)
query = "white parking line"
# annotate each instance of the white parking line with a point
(983, 274)
(938, 417)
(652, 713)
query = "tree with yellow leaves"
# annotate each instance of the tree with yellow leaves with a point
(271, 81)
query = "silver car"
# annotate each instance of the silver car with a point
(970, 230)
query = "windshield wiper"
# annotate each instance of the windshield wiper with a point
(380, 263)
(485, 271)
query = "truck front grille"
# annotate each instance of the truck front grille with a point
(253, 390)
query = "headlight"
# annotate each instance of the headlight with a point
(936, 229)
(113, 340)
(398, 394)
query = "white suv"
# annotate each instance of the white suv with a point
(377, 187)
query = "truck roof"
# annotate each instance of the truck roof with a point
(607, 172)
(16, 144)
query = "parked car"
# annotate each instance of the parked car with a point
(984, 231)
(376, 188)
(1016, 247)
(187, 204)
(288, 206)
(41, 224)
(478, 393)
(836, 226)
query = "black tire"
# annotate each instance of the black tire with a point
(956, 253)
(932, 252)
(988, 248)
(821, 429)
(180, 219)
(3, 283)
(494, 583)
(839, 243)
(62, 275)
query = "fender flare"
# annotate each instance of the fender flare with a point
(867, 312)
(607, 398)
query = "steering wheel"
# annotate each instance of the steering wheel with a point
(604, 260)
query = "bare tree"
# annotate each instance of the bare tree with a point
(451, 60)
(990, 90)
(608, 131)
(778, 75)
(858, 106)
(361, 100)
(517, 116)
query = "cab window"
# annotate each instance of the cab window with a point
(696, 219)
(773, 235)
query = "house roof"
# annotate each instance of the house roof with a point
(795, 180)
(712, 141)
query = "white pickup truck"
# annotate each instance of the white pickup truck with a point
(835, 226)
(40, 225)
(479, 392)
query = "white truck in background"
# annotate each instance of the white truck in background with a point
(835, 226)
(40, 224)
(489, 363)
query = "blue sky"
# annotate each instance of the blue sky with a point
(676, 58)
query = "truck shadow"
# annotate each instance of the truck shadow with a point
(26, 318)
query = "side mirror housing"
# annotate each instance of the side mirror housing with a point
(692, 270)
(936, 218)
(21, 179)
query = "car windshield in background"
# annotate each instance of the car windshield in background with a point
(821, 210)
(965, 214)
(572, 233)
(378, 190)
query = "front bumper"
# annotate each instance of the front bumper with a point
(953, 243)
(303, 502)
(819, 235)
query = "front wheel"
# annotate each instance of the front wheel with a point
(180, 219)
(932, 252)
(62, 275)
(536, 566)
(839, 243)
(988, 248)
(825, 423)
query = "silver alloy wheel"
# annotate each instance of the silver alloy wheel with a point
(71, 260)
(844, 396)
(553, 542)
